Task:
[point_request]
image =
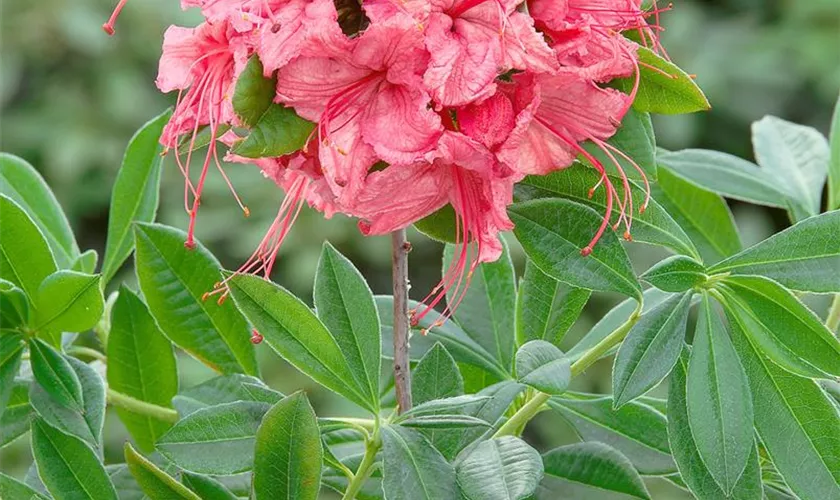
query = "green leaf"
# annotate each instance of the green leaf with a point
(206, 487)
(435, 376)
(654, 226)
(23, 184)
(278, 132)
(202, 138)
(253, 93)
(441, 225)
(412, 468)
(718, 401)
(798, 425)
(505, 468)
(426, 333)
(684, 448)
(135, 194)
(664, 88)
(651, 348)
(53, 372)
(785, 329)
(344, 303)
(554, 245)
(68, 301)
(635, 139)
(194, 442)
(14, 306)
(727, 175)
(141, 364)
(587, 470)
(541, 365)
(443, 422)
(293, 330)
(486, 309)
(11, 351)
(636, 430)
(15, 420)
(125, 484)
(87, 423)
(224, 389)
(86, 262)
(799, 257)
(155, 483)
(546, 308)
(69, 468)
(703, 215)
(676, 274)
(174, 280)
(12, 488)
(25, 258)
(288, 451)
(834, 160)
(797, 156)
(615, 318)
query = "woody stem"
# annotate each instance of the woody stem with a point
(399, 275)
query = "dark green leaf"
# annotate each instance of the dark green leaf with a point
(587, 470)
(435, 376)
(445, 422)
(202, 138)
(86, 424)
(86, 262)
(15, 420)
(541, 365)
(280, 131)
(25, 258)
(505, 468)
(797, 423)
(684, 448)
(155, 483)
(206, 487)
(344, 303)
(663, 87)
(636, 430)
(23, 184)
(13, 489)
(803, 257)
(797, 156)
(174, 281)
(702, 214)
(635, 139)
(553, 232)
(651, 348)
(456, 404)
(288, 452)
(11, 351)
(135, 194)
(546, 308)
(412, 468)
(718, 401)
(676, 274)
(69, 468)
(655, 225)
(293, 330)
(14, 306)
(194, 442)
(224, 389)
(68, 301)
(783, 327)
(486, 309)
(141, 364)
(614, 318)
(253, 93)
(440, 225)
(53, 372)
(834, 162)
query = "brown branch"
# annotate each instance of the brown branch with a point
(399, 275)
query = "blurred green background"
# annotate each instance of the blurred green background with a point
(72, 97)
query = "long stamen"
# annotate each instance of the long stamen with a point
(108, 27)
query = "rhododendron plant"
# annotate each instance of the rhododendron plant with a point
(466, 119)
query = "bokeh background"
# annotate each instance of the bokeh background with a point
(72, 97)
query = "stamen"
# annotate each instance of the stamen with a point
(108, 27)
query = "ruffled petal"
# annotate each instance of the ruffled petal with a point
(399, 124)
(489, 122)
(309, 83)
(181, 48)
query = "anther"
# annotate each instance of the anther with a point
(424, 332)
(627, 236)
(585, 251)
(222, 299)
(205, 296)
(189, 245)
(246, 211)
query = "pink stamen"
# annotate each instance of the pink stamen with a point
(108, 27)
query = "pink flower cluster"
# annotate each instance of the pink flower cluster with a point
(418, 103)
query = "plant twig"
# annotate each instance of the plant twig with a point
(399, 275)
(78, 350)
(833, 320)
(143, 408)
(534, 405)
(365, 468)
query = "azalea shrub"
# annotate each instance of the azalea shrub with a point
(466, 119)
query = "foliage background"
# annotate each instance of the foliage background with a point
(71, 98)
